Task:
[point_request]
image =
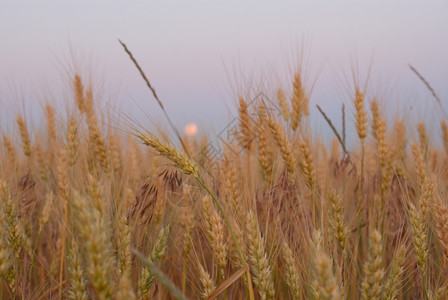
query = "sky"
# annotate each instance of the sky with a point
(201, 55)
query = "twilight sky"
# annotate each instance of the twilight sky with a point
(200, 55)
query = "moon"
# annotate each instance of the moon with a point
(191, 129)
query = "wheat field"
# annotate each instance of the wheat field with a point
(94, 209)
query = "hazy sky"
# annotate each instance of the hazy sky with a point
(195, 52)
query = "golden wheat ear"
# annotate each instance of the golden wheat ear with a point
(372, 284)
(324, 284)
(26, 143)
(259, 264)
(292, 272)
(179, 159)
(393, 283)
(279, 135)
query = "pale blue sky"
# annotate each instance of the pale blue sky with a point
(190, 49)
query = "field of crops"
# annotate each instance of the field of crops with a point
(93, 208)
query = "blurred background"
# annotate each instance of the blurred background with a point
(201, 55)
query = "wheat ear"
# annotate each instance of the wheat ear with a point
(93, 231)
(278, 133)
(283, 104)
(208, 286)
(26, 143)
(292, 272)
(392, 286)
(324, 285)
(261, 270)
(372, 283)
(337, 223)
(179, 159)
(77, 281)
(158, 252)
